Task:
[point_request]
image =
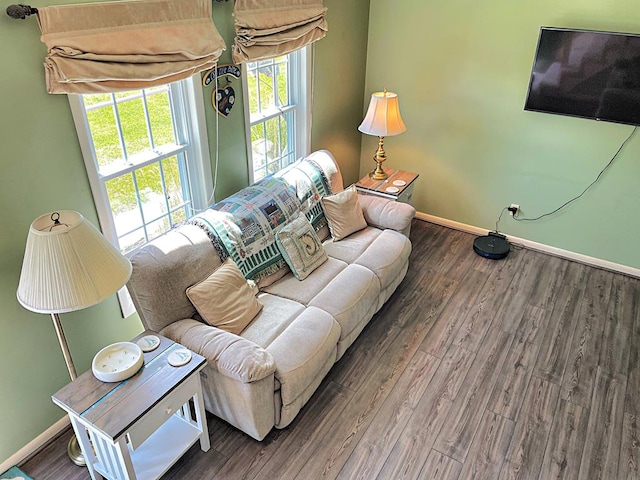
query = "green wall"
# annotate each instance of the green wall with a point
(41, 170)
(461, 70)
(340, 66)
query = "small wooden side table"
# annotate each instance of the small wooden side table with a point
(400, 191)
(138, 428)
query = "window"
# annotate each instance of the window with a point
(278, 111)
(144, 157)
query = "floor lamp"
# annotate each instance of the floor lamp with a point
(68, 265)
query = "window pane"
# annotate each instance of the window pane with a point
(273, 167)
(124, 204)
(273, 138)
(285, 134)
(252, 85)
(157, 228)
(151, 193)
(125, 95)
(160, 116)
(134, 125)
(259, 150)
(283, 88)
(106, 141)
(179, 216)
(157, 88)
(94, 99)
(132, 240)
(267, 101)
(173, 182)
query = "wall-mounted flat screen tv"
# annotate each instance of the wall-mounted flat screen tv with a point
(587, 74)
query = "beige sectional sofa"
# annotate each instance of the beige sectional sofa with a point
(262, 377)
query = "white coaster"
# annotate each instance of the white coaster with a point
(399, 183)
(392, 189)
(148, 343)
(179, 357)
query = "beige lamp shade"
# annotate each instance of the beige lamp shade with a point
(383, 117)
(68, 265)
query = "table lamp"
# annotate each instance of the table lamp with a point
(383, 120)
(68, 265)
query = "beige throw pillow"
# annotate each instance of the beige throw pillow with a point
(224, 299)
(343, 213)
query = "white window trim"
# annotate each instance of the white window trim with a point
(198, 160)
(302, 99)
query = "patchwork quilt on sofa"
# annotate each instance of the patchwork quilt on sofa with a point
(243, 226)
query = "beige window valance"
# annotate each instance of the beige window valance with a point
(269, 28)
(125, 45)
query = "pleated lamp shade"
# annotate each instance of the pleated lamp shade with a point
(68, 265)
(383, 116)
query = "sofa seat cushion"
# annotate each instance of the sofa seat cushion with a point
(350, 248)
(304, 291)
(276, 315)
(351, 298)
(386, 256)
(302, 351)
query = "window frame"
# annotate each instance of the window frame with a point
(193, 122)
(301, 91)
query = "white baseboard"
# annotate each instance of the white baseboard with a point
(541, 247)
(34, 445)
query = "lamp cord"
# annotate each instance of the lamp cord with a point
(568, 202)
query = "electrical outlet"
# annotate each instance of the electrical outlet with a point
(514, 209)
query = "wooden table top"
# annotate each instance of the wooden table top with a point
(113, 407)
(380, 185)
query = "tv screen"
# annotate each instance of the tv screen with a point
(586, 74)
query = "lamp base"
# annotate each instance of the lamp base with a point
(379, 157)
(378, 174)
(74, 451)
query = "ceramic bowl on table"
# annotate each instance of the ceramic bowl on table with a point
(117, 362)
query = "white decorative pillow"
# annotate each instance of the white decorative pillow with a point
(224, 299)
(343, 213)
(300, 247)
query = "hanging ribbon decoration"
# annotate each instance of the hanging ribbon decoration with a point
(223, 97)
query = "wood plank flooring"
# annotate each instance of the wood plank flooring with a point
(525, 368)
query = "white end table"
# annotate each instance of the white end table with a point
(138, 428)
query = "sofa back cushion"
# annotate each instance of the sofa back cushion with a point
(330, 167)
(164, 268)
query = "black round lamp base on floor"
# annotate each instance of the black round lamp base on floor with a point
(493, 246)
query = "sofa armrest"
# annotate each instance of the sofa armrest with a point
(384, 213)
(232, 355)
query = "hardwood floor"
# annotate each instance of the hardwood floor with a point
(526, 368)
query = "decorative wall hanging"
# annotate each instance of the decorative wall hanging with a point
(223, 98)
